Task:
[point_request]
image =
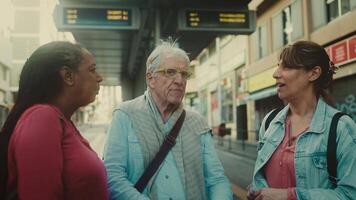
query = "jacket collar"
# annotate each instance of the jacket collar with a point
(317, 125)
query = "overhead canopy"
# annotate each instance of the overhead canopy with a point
(120, 33)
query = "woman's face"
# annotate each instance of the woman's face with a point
(87, 80)
(292, 83)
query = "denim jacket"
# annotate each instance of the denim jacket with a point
(310, 158)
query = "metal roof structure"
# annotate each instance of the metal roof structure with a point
(121, 53)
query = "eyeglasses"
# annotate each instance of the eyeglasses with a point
(171, 73)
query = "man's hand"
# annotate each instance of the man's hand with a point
(270, 194)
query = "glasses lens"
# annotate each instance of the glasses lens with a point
(171, 72)
(185, 74)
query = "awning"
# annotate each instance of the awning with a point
(262, 94)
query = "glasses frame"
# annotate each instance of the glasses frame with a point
(186, 76)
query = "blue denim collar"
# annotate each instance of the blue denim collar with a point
(317, 124)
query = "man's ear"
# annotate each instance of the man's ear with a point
(67, 75)
(314, 73)
(149, 79)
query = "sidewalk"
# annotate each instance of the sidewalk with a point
(238, 160)
(238, 147)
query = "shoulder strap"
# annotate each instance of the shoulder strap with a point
(166, 146)
(271, 117)
(331, 149)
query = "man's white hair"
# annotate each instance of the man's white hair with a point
(167, 48)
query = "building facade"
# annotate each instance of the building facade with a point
(217, 87)
(6, 27)
(244, 78)
(326, 22)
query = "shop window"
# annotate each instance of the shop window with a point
(226, 101)
(203, 106)
(241, 122)
(263, 106)
(214, 107)
(191, 101)
(345, 96)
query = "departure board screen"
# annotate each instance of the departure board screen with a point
(97, 16)
(217, 20)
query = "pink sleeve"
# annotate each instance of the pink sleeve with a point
(38, 155)
(291, 194)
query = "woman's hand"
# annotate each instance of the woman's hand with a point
(251, 195)
(270, 194)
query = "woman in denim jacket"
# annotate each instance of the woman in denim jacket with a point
(292, 160)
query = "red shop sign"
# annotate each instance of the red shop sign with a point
(339, 52)
(352, 48)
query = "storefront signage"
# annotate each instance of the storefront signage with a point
(343, 52)
(261, 80)
(352, 48)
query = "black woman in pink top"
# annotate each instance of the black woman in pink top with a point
(43, 155)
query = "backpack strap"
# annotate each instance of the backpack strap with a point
(331, 149)
(271, 117)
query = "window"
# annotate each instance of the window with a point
(297, 19)
(262, 36)
(3, 72)
(212, 48)
(259, 39)
(318, 13)
(203, 57)
(336, 8)
(287, 25)
(324, 11)
(27, 21)
(226, 101)
(203, 99)
(277, 33)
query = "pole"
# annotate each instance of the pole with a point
(218, 55)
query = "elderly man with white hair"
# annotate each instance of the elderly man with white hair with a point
(156, 149)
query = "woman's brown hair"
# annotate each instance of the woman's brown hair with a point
(307, 55)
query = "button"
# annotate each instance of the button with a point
(280, 163)
(167, 176)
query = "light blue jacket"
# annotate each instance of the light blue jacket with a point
(124, 163)
(311, 173)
